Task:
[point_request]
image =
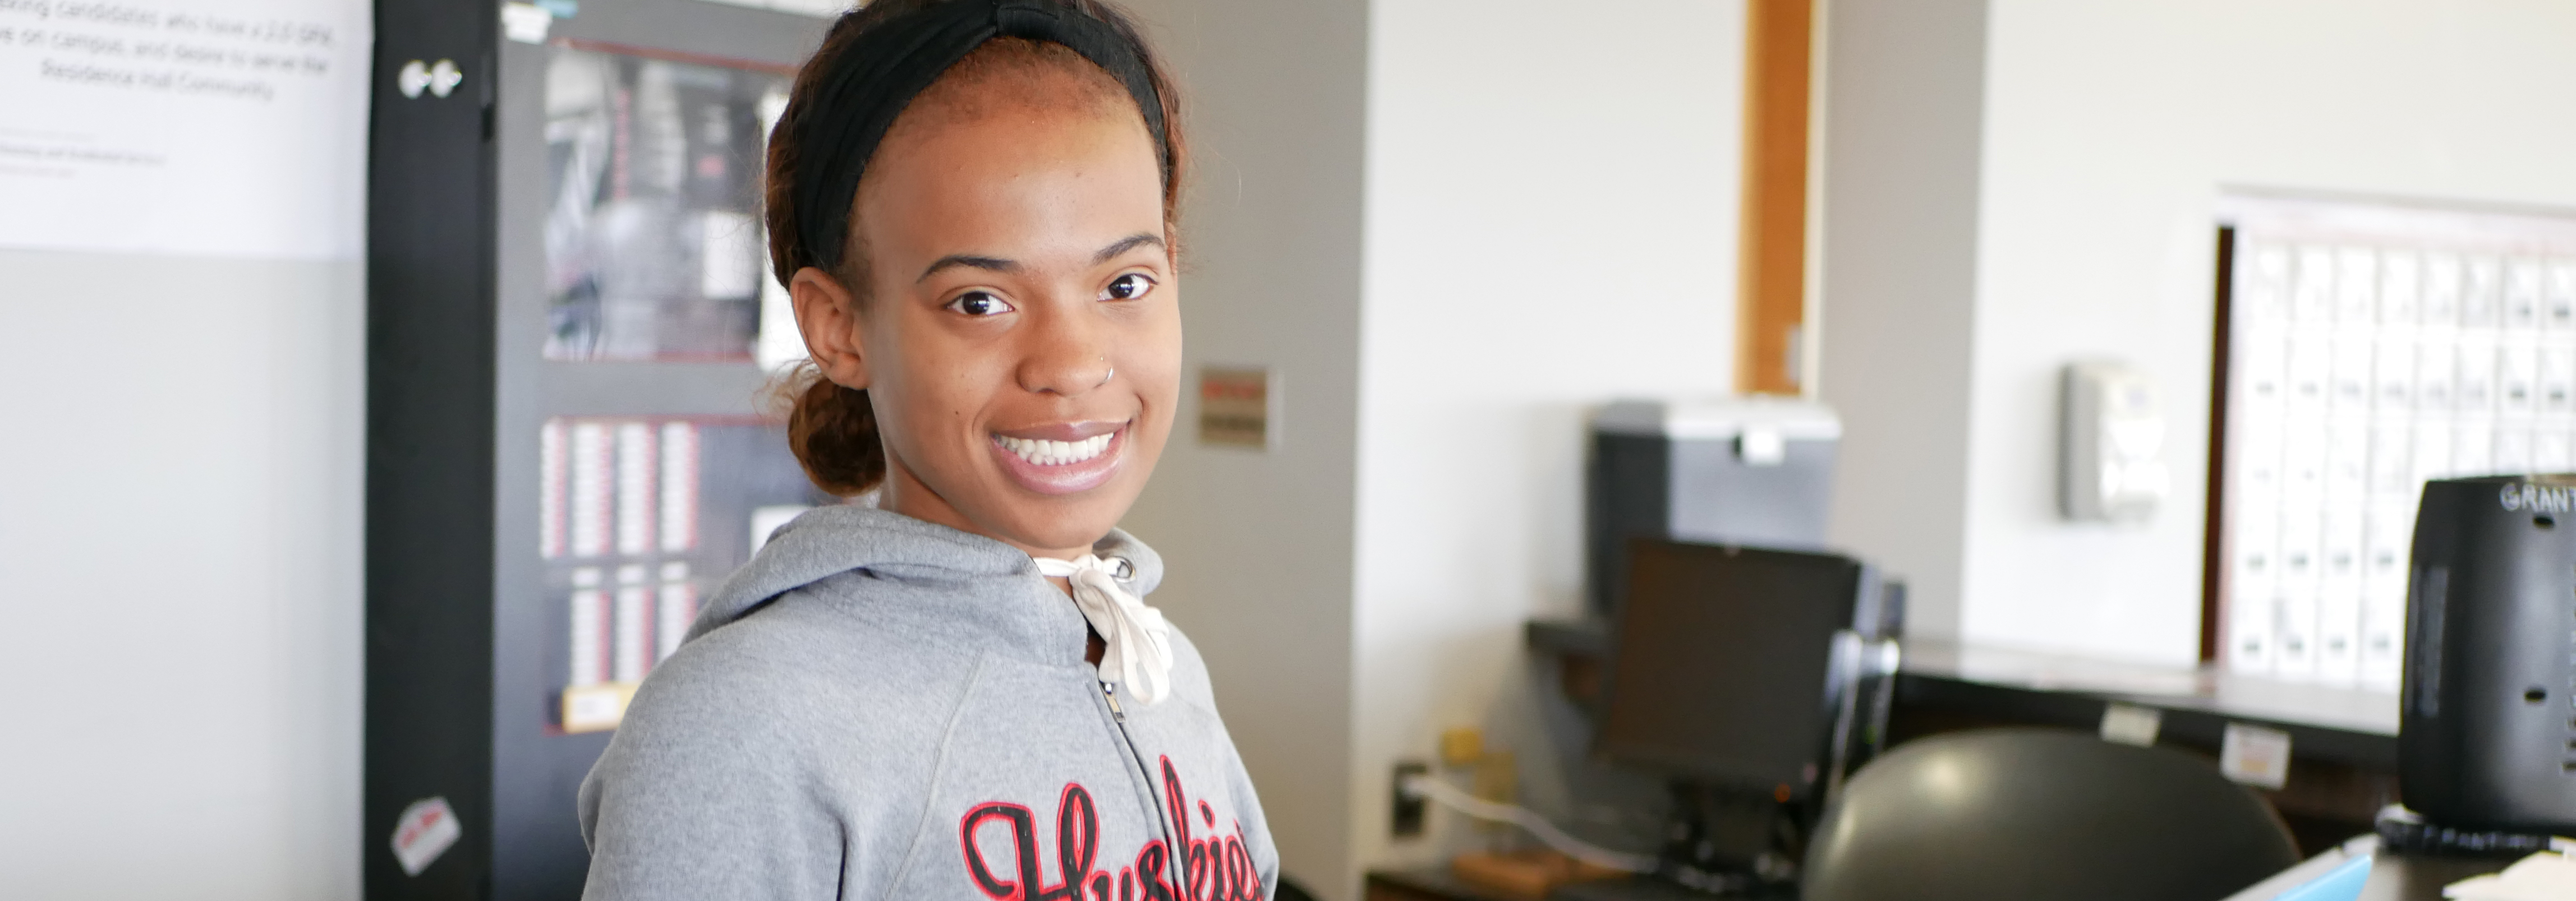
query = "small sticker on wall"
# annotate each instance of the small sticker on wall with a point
(2255, 755)
(2130, 724)
(596, 708)
(1235, 406)
(425, 830)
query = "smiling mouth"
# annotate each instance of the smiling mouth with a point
(1043, 452)
(1063, 458)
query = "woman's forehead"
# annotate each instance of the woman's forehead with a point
(1038, 180)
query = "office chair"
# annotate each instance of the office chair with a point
(2041, 815)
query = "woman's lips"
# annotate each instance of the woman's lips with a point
(1066, 431)
(1068, 459)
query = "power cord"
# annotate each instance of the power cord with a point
(1431, 788)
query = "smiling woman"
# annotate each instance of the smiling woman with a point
(1014, 223)
(970, 202)
(1007, 280)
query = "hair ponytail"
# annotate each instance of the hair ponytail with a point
(832, 430)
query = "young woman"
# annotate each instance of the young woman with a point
(959, 693)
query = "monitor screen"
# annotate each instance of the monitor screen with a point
(1721, 662)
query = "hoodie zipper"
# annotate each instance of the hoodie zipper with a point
(1173, 868)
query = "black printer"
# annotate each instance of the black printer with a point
(2487, 739)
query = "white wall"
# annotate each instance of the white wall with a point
(1903, 89)
(181, 465)
(1259, 544)
(1552, 215)
(182, 453)
(2109, 128)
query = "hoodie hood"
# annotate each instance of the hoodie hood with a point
(828, 541)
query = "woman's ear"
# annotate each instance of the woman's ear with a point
(827, 313)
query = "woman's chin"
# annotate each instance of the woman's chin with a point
(1067, 526)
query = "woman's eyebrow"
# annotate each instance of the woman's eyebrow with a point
(1123, 245)
(998, 264)
(954, 260)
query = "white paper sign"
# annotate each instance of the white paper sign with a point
(2255, 755)
(425, 830)
(2129, 724)
(2546, 876)
(195, 127)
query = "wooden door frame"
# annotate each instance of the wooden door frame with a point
(1775, 262)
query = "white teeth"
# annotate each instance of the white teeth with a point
(1055, 453)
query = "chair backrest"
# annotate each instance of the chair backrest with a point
(2043, 815)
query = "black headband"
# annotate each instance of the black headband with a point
(877, 75)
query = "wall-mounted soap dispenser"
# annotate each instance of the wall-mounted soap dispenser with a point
(2110, 444)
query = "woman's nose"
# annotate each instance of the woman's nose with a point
(1067, 354)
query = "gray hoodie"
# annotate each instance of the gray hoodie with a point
(878, 707)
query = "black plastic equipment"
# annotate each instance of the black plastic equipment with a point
(2487, 742)
(2042, 815)
(1733, 668)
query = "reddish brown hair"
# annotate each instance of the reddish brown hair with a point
(832, 428)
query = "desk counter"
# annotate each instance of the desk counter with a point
(2392, 878)
(2342, 724)
(2346, 725)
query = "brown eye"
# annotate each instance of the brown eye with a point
(1127, 287)
(979, 303)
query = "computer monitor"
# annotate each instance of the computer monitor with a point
(1724, 672)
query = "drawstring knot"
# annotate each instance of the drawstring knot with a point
(1139, 642)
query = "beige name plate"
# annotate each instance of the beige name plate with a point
(1235, 406)
(592, 708)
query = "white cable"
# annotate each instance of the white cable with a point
(1426, 786)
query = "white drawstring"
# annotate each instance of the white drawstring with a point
(1139, 652)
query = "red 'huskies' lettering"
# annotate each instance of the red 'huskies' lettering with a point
(1216, 868)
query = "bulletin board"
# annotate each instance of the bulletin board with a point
(2364, 348)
